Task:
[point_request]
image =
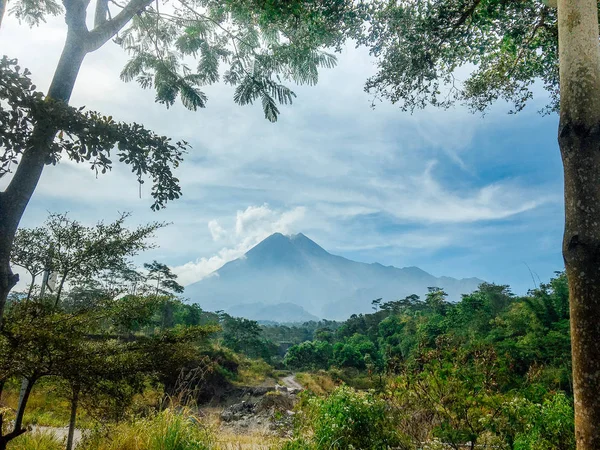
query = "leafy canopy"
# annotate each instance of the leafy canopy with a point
(181, 46)
(82, 136)
(472, 51)
(254, 46)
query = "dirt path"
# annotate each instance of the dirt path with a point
(291, 382)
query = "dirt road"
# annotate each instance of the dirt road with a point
(291, 382)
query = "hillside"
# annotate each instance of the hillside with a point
(293, 277)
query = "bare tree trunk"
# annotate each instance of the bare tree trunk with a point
(8, 279)
(31, 286)
(60, 288)
(579, 140)
(72, 420)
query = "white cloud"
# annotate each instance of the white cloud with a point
(423, 198)
(252, 225)
(216, 231)
(253, 216)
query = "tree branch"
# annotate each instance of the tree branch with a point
(75, 16)
(101, 34)
(100, 13)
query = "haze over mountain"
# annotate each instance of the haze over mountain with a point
(293, 279)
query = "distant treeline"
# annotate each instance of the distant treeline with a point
(525, 337)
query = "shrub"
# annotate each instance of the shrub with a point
(347, 419)
(551, 428)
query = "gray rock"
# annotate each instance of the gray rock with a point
(238, 411)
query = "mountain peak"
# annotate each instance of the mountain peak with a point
(281, 250)
(294, 269)
(307, 245)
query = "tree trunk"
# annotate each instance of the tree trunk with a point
(581, 250)
(579, 140)
(2, 10)
(14, 200)
(60, 288)
(31, 286)
(72, 420)
(26, 387)
(8, 279)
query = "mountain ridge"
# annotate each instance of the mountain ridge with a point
(282, 273)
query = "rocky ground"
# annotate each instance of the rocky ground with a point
(270, 413)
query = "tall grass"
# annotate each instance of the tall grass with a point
(170, 429)
(37, 440)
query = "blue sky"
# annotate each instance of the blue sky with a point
(454, 193)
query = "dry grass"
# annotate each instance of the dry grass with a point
(36, 441)
(251, 441)
(170, 429)
(255, 372)
(320, 383)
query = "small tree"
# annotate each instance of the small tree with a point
(78, 253)
(43, 338)
(163, 277)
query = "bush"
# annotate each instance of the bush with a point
(551, 428)
(167, 430)
(347, 419)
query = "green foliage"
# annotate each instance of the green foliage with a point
(255, 45)
(551, 426)
(93, 259)
(163, 277)
(82, 136)
(245, 336)
(529, 335)
(348, 419)
(506, 47)
(492, 369)
(309, 355)
(489, 370)
(97, 347)
(459, 389)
